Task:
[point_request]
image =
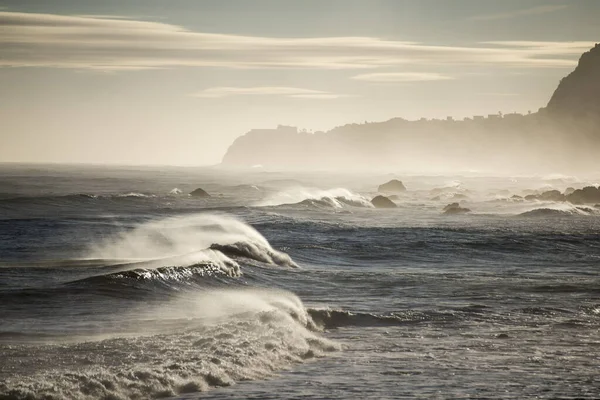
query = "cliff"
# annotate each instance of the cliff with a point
(563, 136)
(578, 94)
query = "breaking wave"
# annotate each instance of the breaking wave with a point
(332, 319)
(195, 273)
(189, 240)
(560, 209)
(332, 198)
(229, 336)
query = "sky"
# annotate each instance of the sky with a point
(174, 82)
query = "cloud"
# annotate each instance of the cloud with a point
(402, 77)
(547, 48)
(114, 44)
(319, 96)
(519, 13)
(217, 92)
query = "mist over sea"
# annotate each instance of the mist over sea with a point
(115, 283)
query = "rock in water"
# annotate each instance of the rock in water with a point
(455, 208)
(201, 193)
(392, 186)
(383, 202)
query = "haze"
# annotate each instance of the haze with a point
(157, 82)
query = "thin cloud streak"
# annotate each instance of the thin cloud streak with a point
(219, 92)
(520, 13)
(547, 48)
(58, 41)
(499, 94)
(402, 77)
(319, 96)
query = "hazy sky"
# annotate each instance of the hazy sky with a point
(175, 81)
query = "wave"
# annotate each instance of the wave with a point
(230, 336)
(255, 252)
(189, 240)
(135, 195)
(164, 275)
(332, 198)
(76, 198)
(331, 319)
(159, 259)
(215, 263)
(558, 210)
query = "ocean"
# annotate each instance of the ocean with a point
(115, 283)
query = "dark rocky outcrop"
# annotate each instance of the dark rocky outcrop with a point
(588, 194)
(200, 193)
(455, 208)
(383, 202)
(393, 186)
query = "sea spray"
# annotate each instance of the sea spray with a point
(336, 198)
(191, 239)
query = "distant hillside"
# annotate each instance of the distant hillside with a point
(563, 136)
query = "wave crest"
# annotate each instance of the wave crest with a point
(255, 252)
(332, 198)
(557, 210)
(331, 319)
(189, 240)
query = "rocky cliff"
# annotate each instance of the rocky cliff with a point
(578, 94)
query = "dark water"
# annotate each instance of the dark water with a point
(114, 285)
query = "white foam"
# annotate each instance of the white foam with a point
(228, 336)
(186, 240)
(335, 197)
(135, 194)
(564, 207)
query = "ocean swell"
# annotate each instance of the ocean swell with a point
(331, 319)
